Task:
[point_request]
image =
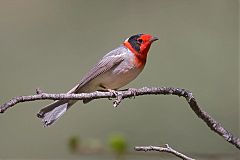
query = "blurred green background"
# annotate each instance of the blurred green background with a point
(51, 44)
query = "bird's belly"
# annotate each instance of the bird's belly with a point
(110, 80)
(115, 79)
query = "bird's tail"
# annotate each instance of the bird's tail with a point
(52, 112)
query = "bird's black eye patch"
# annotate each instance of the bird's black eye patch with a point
(140, 41)
(135, 42)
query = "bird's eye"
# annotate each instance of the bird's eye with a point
(140, 40)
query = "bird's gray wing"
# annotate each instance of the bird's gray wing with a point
(110, 60)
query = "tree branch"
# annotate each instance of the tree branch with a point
(120, 95)
(167, 149)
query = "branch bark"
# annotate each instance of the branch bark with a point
(167, 149)
(120, 95)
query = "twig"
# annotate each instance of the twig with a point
(167, 149)
(212, 123)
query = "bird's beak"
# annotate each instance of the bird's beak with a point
(154, 39)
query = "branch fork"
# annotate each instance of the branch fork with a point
(167, 149)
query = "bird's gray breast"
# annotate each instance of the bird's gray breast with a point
(120, 75)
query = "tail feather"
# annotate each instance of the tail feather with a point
(52, 112)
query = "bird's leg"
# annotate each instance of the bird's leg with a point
(118, 96)
(113, 92)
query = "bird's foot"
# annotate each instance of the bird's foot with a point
(118, 96)
(113, 92)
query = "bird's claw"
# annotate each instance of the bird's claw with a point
(113, 92)
(118, 96)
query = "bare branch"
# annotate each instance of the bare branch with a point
(212, 123)
(167, 149)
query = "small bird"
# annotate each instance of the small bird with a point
(115, 70)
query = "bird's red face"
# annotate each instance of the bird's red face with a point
(140, 44)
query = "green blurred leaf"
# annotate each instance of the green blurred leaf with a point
(73, 143)
(118, 144)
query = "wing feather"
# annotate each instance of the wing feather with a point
(110, 60)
